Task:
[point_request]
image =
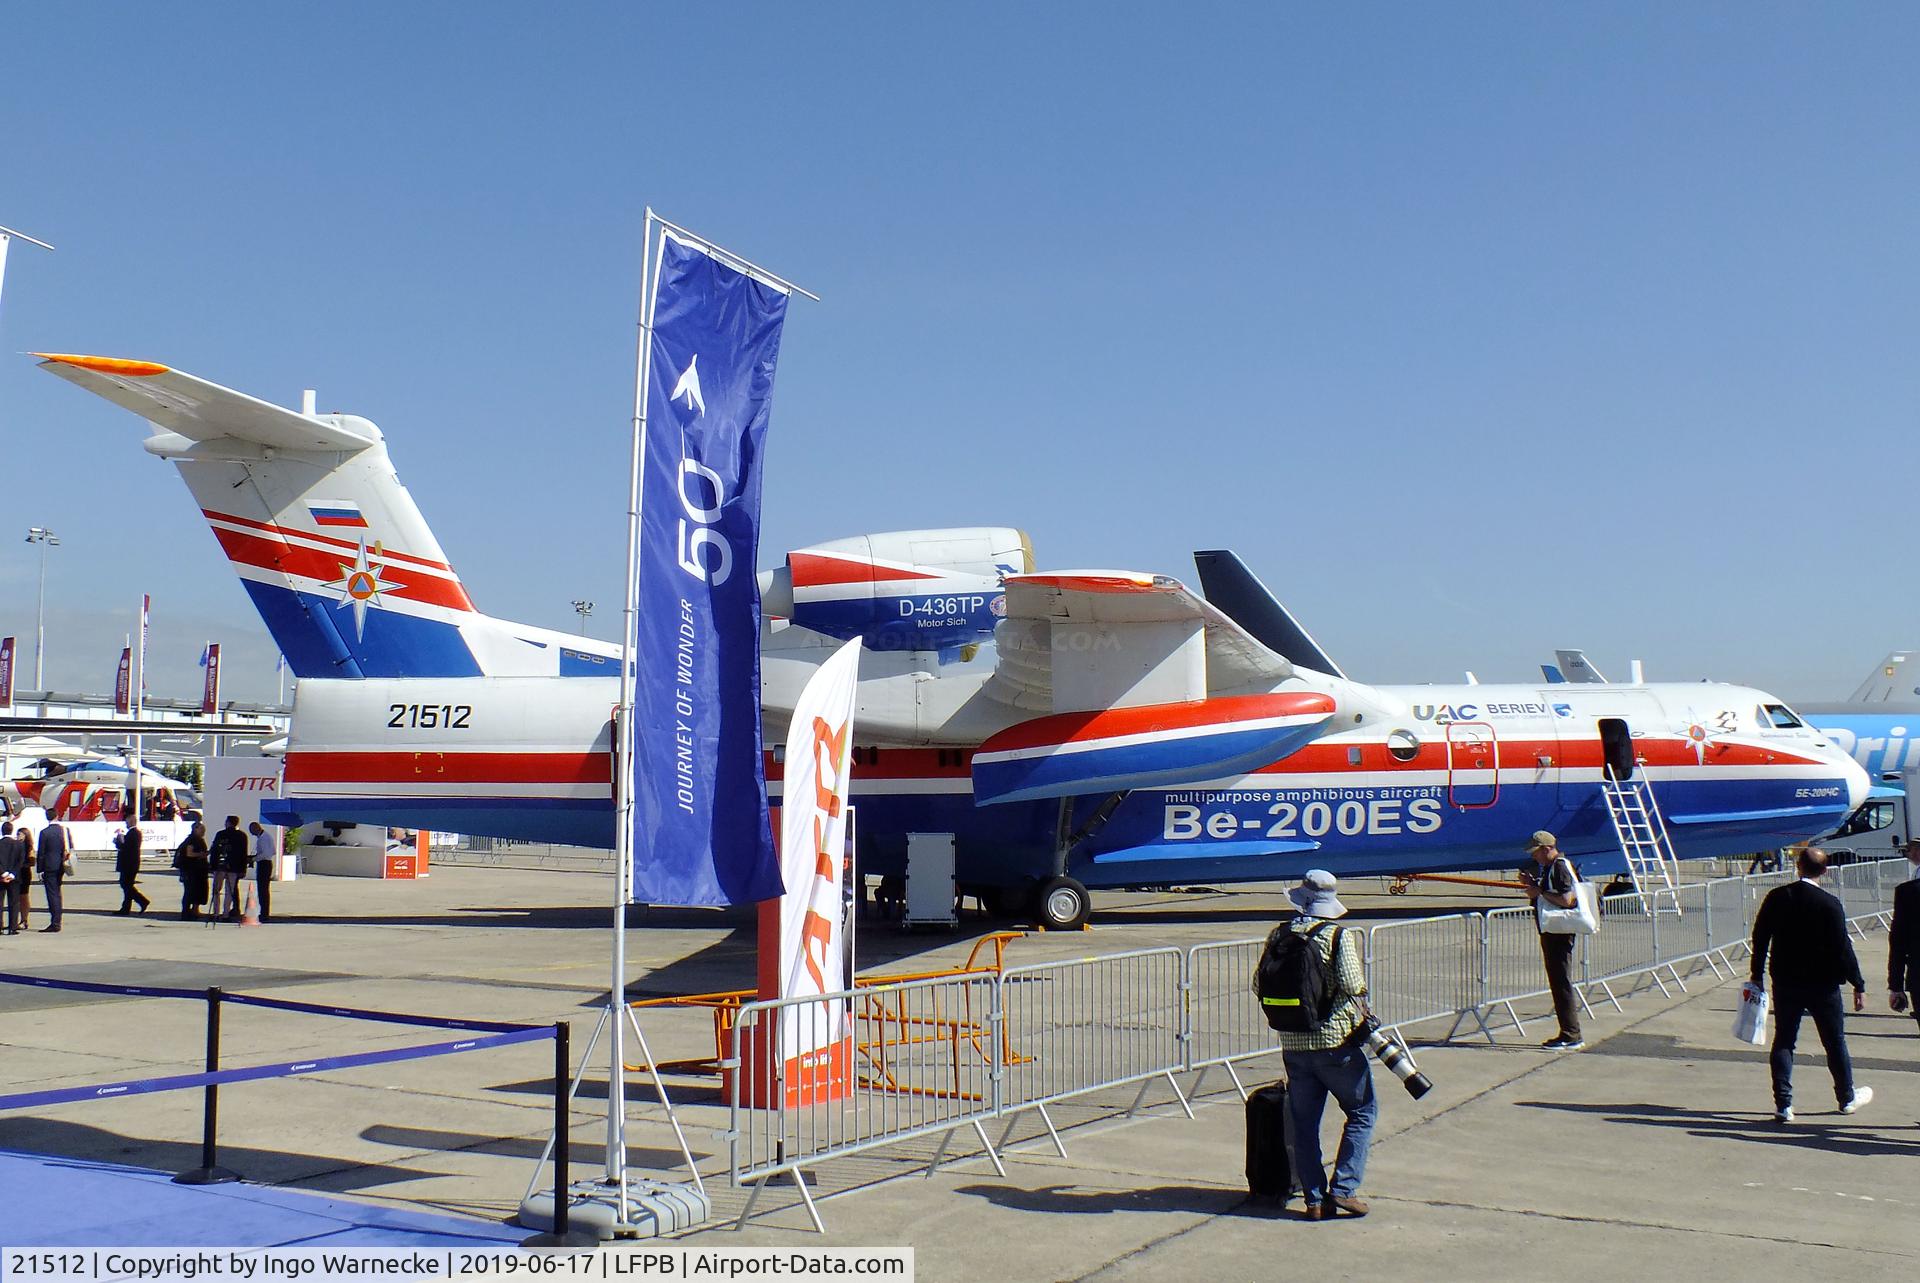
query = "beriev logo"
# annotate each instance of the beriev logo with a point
(689, 387)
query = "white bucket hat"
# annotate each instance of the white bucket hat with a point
(1314, 896)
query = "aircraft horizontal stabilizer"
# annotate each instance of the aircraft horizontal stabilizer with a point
(203, 411)
(1071, 754)
(1094, 639)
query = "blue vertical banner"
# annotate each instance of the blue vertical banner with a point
(701, 834)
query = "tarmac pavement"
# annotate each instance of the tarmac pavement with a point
(1652, 1151)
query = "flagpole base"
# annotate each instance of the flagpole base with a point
(655, 1209)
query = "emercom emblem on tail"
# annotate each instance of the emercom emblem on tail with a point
(360, 585)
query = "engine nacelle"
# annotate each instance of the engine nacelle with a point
(905, 590)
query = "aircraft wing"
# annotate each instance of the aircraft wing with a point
(197, 409)
(1076, 641)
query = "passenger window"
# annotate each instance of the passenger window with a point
(1780, 717)
(1404, 745)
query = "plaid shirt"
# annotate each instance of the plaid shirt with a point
(1349, 980)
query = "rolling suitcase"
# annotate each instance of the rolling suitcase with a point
(1269, 1159)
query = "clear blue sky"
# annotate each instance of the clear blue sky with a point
(1476, 329)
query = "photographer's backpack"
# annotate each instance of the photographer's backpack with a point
(1293, 980)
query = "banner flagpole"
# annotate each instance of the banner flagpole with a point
(619, 1023)
(616, 1157)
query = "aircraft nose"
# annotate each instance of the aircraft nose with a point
(1858, 785)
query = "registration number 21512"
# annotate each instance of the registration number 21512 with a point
(427, 717)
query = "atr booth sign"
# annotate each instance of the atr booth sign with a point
(237, 786)
(802, 945)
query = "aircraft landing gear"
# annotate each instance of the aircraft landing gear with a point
(890, 897)
(1062, 904)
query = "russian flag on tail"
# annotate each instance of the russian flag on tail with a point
(337, 512)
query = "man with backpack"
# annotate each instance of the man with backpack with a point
(1312, 984)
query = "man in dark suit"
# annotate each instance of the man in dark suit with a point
(13, 874)
(51, 862)
(126, 863)
(1805, 929)
(1903, 941)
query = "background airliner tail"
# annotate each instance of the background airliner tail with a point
(1890, 682)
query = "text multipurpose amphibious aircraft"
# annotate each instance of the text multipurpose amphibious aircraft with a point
(1073, 730)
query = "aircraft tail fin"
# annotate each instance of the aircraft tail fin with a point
(1890, 682)
(1553, 675)
(1575, 668)
(328, 544)
(1237, 593)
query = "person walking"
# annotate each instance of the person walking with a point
(190, 857)
(53, 859)
(13, 868)
(1903, 940)
(263, 857)
(1553, 879)
(1803, 928)
(1329, 1060)
(126, 864)
(229, 859)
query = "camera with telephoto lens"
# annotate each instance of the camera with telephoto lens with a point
(1398, 1061)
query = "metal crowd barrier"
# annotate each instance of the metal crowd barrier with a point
(1425, 969)
(920, 1058)
(936, 1056)
(1223, 1027)
(1093, 1024)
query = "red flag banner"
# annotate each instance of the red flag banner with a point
(123, 684)
(210, 695)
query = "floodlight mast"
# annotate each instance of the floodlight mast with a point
(7, 234)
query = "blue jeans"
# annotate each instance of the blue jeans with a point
(1791, 1003)
(1312, 1076)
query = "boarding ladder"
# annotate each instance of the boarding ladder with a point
(1651, 863)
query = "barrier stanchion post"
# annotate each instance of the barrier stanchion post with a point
(562, 1234)
(210, 1172)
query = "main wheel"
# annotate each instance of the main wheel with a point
(1062, 904)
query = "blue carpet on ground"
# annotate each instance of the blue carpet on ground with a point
(71, 1202)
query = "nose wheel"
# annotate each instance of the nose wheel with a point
(1062, 904)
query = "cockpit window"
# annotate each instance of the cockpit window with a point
(1780, 717)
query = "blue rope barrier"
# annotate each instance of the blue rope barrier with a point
(280, 1004)
(253, 1073)
(86, 986)
(384, 1017)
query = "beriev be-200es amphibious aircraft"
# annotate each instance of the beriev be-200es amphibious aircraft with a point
(1072, 729)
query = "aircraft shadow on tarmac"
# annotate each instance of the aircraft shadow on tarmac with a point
(266, 1166)
(1082, 1200)
(1811, 1131)
(640, 1094)
(530, 1148)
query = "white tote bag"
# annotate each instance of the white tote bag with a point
(1750, 1017)
(1578, 919)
